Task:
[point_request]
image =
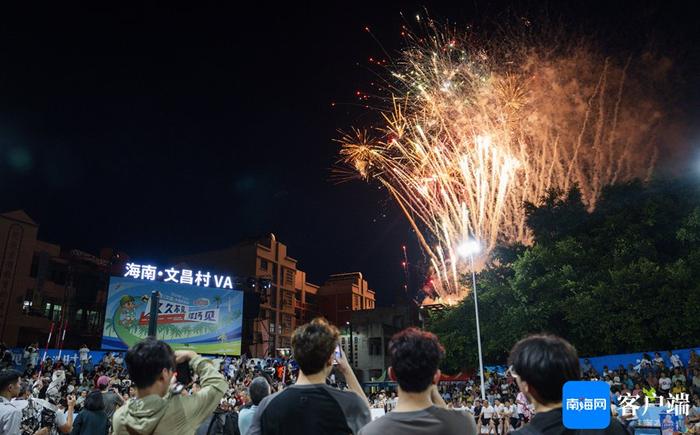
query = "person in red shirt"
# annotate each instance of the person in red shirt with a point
(280, 372)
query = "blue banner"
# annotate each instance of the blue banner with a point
(21, 360)
(614, 361)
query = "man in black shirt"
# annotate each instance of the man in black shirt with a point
(541, 365)
(310, 406)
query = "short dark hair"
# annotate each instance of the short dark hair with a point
(258, 390)
(8, 377)
(94, 401)
(546, 363)
(415, 356)
(24, 388)
(147, 359)
(313, 344)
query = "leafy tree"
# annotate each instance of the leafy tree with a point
(623, 278)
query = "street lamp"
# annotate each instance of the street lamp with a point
(467, 249)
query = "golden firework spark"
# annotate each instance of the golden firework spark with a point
(473, 131)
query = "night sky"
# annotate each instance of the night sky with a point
(172, 130)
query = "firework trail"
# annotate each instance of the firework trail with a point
(471, 131)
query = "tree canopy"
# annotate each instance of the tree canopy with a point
(623, 278)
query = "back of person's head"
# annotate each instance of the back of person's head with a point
(258, 390)
(414, 358)
(8, 377)
(146, 361)
(94, 401)
(545, 363)
(24, 388)
(313, 344)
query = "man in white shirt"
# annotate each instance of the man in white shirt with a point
(84, 353)
(487, 413)
(11, 413)
(391, 403)
(665, 383)
(675, 360)
(513, 412)
(658, 359)
(506, 415)
(498, 416)
(258, 390)
(678, 376)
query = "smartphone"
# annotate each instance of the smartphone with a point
(337, 355)
(184, 376)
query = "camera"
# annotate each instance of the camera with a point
(48, 418)
(184, 374)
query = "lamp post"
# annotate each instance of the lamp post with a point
(468, 249)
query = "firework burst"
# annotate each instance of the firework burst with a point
(470, 131)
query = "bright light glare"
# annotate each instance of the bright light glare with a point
(469, 247)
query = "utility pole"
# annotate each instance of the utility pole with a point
(153, 318)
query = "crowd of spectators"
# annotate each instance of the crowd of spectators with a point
(653, 377)
(57, 398)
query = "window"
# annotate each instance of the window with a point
(375, 346)
(263, 264)
(272, 326)
(297, 295)
(273, 296)
(275, 279)
(286, 321)
(286, 299)
(93, 319)
(28, 301)
(289, 276)
(311, 298)
(354, 355)
(56, 313)
(58, 273)
(356, 304)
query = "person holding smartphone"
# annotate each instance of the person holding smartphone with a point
(156, 410)
(310, 406)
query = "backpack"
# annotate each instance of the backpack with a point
(32, 416)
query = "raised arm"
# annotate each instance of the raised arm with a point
(200, 405)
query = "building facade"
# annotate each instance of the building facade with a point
(43, 287)
(265, 260)
(288, 300)
(365, 337)
(305, 299)
(342, 294)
